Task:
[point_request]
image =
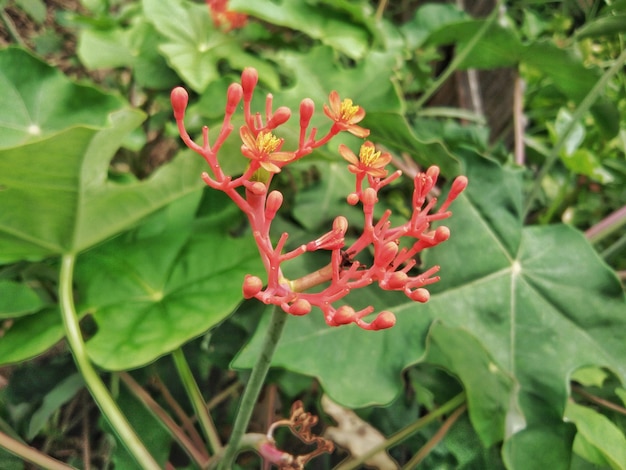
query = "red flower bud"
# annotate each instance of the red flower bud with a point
(273, 203)
(234, 94)
(384, 320)
(344, 315)
(340, 223)
(397, 280)
(300, 307)
(369, 197)
(281, 116)
(307, 108)
(442, 234)
(179, 99)
(419, 295)
(249, 79)
(353, 199)
(384, 256)
(458, 186)
(252, 285)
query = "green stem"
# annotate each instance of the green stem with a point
(459, 58)
(198, 403)
(579, 113)
(254, 385)
(96, 387)
(405, 433)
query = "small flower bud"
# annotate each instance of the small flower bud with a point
(442, 234)
(300, 307)
(344, 315)
(458, 186)
(257, 188)
(249, 79)
(179, 99)
(273, 203)
(353, 199)
(384, 256)
(397, 280)
(419, 295)
(252, 285)
(234, 94)
(281, 116)
(384, 320)
(307, 108)
(369, 197)
(340, 223)
(433, 173)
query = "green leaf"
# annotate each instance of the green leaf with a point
(36, 9)
(37, 100)
(544, 445)
(538, 300)
(17, 299)
(327, 23)
(489, 389)
(194, 47)
(31, 335)
(603, 26)
(79, 207)
(58, 396)
(135, 48)
(151, 292)
(598, 439)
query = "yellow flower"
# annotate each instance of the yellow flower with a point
(346, 115)
(370, 161)
(264, 148)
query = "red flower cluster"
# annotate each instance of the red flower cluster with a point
(223, 17)
(392, 264)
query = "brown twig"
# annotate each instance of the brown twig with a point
(437, 437)
(599, 401)
(198, 455)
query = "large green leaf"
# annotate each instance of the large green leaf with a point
(135, 48)
(335, 24)
(537, 299)
(37, 100)
(194, 47)
(151, 291)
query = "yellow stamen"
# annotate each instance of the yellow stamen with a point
(267, 142)
(347, 109)
(368, 155)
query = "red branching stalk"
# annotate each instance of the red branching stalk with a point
(391, 266)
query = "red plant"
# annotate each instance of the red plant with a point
(392, 265)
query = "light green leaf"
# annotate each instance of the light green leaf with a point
(194, 47)
(327, 23)
(590, 376)
(37, 100)
(151, 292)
(135, 48)
(598, 439)
(17, 299)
